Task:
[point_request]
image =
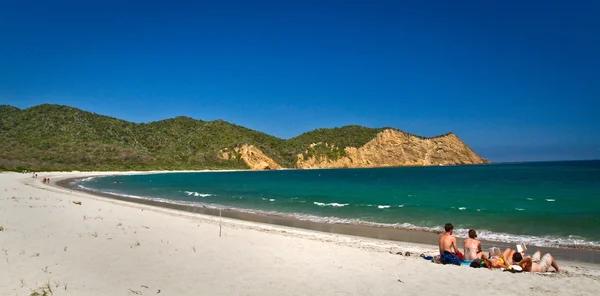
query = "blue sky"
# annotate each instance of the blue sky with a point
(516, 80)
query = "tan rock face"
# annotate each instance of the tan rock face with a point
(395, 148)
(255, 159)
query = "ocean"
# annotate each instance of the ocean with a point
(555, 204)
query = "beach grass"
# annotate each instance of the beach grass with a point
(45, 290)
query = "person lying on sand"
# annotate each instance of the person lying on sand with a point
(510, 255)
(495, 262)
(502, 261)
(535, 263)
(472, 247)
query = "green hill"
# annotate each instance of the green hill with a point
(347, 136)
(53, 137)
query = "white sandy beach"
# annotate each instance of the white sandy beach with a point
(110, 247)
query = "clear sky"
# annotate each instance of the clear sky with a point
(516, 80)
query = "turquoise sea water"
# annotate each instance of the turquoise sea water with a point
(546, 204)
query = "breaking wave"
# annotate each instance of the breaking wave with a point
(190, 193)
(333, 204)
(542, 241)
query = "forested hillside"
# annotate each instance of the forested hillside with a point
(53, 137)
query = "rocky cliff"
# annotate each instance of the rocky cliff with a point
(252, 156)
(395, 148)
(53, 137)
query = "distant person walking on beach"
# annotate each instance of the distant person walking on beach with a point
(449, 253)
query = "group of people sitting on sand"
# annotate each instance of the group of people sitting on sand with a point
(509, 259)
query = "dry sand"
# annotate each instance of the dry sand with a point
(109, 247)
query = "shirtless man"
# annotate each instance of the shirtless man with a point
(448, 241)
(448, 245)
(537, 264)
(510, 256)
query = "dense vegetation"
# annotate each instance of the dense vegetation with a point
(52, 137)
(323, 149)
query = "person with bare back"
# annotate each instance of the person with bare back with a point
(449, 252)
(472, 247)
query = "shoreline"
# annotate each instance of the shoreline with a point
(415, 236)
(71, 242)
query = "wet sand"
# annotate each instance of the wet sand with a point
(384, 233)
(77, 243)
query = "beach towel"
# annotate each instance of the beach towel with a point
(513, 268)
(449, 258)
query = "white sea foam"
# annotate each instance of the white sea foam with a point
(271, 199)
(401, 206)
(136, 196)
(543, 241)
(529, 198)
(190, 193)
(124, 195)
(462, 208)
(88, 179)
(87, 188)
(383, 207)
(548, 199)
(333, 204)
(519, 209)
